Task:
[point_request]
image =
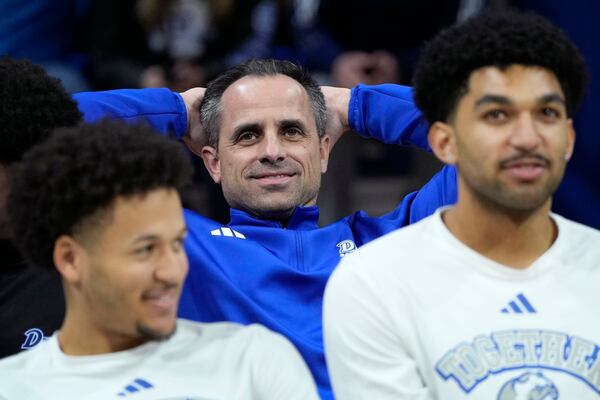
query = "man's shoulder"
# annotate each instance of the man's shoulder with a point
(400, 242)
(219, 331)
(574, 227)
(201, 227)
(35, 358)
(193, 218)
(206, 330)
(228, 337)
(576, 240)
(392, 255)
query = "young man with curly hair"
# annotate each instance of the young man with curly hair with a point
(101, 204)
(495, 297)
(32, 105)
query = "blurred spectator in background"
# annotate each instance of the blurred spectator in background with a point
(48, 32)
(356, 41)
(184, 43)
(380, 38)
(175, 43)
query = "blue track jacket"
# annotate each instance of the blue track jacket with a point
(257, 271)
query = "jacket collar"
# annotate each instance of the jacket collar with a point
(303, 218)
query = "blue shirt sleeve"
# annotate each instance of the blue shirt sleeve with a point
(387, 113)
(163, 109)
(441, 190)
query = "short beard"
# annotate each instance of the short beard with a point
(514, 206)
(149, 334)
(498, 197)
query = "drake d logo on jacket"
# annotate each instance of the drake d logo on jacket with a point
(346, 247)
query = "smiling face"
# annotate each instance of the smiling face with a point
(133, 266)
(509, 137)
(269, 158)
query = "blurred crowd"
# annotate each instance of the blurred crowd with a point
(107, 44)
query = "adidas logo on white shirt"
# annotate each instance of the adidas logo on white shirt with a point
(136, 386)
(225, 231)
(519, 305)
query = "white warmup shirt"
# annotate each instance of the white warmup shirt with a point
(199, 362)
(417, 314)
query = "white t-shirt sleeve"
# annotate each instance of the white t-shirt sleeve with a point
(365, 353)
(279, 371)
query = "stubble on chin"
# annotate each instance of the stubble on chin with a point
(149, 334)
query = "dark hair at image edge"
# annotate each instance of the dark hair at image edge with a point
(80, 171)
(211, 107)
(500, 39)
(32, 105)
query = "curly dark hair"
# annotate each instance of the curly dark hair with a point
(210, 108)
(499, 39)
(62, 183)
(32, 105)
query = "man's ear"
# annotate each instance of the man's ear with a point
(442, 141)
(324, 149)
(210, 156)
(69, 258)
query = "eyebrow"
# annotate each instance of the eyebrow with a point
(151, 237)
(492, 99)
(289, 123)
(254, 127)
(553, 98)
(499, 99)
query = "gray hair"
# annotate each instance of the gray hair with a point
(211, 106)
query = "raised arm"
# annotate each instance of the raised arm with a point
(382, 112)
(387, 113)
(161, 108)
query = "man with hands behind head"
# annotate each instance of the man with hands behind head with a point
(266, 141)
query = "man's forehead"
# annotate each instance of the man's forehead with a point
(258, 89)
(156, 211)
(276, 96)
(514, 80)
